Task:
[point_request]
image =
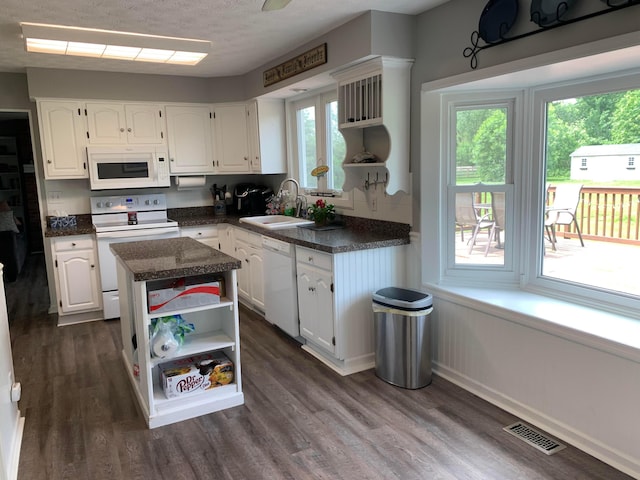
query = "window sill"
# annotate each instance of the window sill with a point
(608, 332)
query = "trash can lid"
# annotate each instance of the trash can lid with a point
(403, 298)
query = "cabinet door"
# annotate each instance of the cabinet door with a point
(315, 306)
(225, 235)
(189, 139)
(242, 254)
(266, 128)
(256, 279)
(106, 123)
(145, 123)
(253, 137)
(232, 155)
(78, 281)
(63, 139)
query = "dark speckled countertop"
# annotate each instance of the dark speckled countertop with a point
(355, 233)
(172, 258)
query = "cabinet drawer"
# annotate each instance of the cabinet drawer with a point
(314, 257)
(255, 239)
(200, 232)
(72, 243)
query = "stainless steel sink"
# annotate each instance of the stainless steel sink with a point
(275, 222)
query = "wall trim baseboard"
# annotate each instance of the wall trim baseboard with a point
(583, 442)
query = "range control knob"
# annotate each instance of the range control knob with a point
(99, 204)
(147, 202)
(156, 202)
(109, 204)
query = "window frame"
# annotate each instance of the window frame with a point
(534, 281)
(529, 186)
(319, 98)
(467, 274)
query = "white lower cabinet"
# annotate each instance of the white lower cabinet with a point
(335, 302)
(207, 234)
(315, 298)
(77, 276)
(226, 239)
(251, 278)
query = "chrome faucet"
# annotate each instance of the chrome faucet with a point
(298, 198)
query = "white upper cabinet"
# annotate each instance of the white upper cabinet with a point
(266, 136)
(145, 123)
(190, 140)
(374, 116)
(63, 136)
(230, 127)
(117, 124)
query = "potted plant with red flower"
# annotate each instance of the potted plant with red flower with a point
(321, 212)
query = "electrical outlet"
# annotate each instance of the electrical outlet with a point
(54, 197)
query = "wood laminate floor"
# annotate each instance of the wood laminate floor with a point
(300, 420)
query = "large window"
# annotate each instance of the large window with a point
(591, 214)
(317, 142)
(536, 190)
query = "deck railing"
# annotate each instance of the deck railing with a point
(606, 214)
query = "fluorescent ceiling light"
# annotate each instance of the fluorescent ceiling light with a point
(61, 40)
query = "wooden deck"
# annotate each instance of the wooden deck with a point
(609, 265)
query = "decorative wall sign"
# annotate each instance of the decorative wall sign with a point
(497, 18)
(303, 62)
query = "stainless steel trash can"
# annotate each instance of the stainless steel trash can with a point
(401, 323)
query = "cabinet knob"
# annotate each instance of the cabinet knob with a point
(172, 160)
(73, 244)
(311, 259)
(246, 260)
(93, 266)
(49, 161)
(246, 159)
(122, 129)
(129, 130)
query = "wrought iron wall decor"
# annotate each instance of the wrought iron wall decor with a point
(498, 16)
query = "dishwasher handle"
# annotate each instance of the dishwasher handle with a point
(274, 245)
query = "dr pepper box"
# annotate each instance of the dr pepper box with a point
(179, 293)
(196, 374)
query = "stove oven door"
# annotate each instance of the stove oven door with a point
(107, 261)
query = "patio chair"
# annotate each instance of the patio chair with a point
(467, 216)
(497, 212)
(563, 211)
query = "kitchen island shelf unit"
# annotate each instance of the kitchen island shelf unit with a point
(224, 302)
(139, 266)
(197, 343)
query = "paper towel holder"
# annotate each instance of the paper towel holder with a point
(190, 182)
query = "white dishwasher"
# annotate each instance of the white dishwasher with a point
(280, 291)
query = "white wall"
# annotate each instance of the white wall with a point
(584, 396)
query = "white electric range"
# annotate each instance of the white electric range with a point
(126, 218)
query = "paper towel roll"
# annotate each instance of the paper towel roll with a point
(164, 344)
(186, 183)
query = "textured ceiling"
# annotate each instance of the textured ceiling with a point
(243, 37)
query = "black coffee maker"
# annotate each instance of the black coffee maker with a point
(251, 199)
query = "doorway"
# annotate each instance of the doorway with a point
(18, 190)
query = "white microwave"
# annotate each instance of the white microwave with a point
(128, 167)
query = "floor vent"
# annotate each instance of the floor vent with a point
(534, 438)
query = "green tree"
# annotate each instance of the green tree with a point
(489, 147)
(468, 123)
(595, 113)
(565, 133)
(625, 124)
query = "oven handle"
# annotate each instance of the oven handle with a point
(143, 232)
